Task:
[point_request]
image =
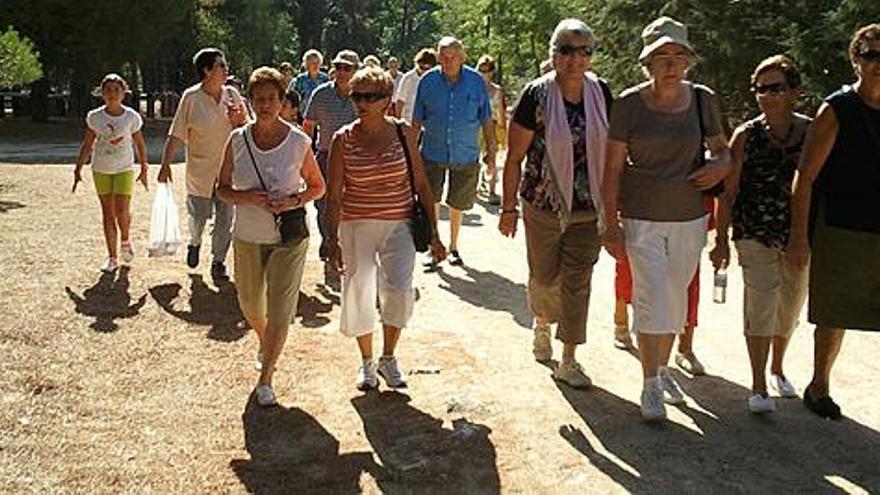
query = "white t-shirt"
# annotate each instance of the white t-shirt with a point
(395, 82)
(406, 91)
(113, 152)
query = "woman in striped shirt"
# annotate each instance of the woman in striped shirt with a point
(369, 205)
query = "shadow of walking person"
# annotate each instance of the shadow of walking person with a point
(217, 308)
(107, 300)
(726, 449)
(419, 455)
(490, 291)
(290, 452)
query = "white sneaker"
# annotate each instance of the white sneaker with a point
(783, 386)
(622, 338)
(674, 395)
(689, 362)
(366, 377)
(258, 364)
(266, 396)
(127, 251)
(761, 403)
(390, 372)
(541, 347)
(572, 373)
(110, 265)
(653, 408)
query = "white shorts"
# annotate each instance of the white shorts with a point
(376, 252)
(663, 257)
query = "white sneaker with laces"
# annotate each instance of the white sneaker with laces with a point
(541, 346)
(688, 361)
(653, 408)
(622, 338)
(110, 265)
(266, 396)
(781, 384)
(391, 372)
(761, 403)
(572, 373)
(127, 251)
(674, 395)
(366, 377)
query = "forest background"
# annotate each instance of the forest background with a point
(58, 46)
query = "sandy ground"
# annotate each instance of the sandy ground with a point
(141, 382)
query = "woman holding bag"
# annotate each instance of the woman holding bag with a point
(269, 173)
(374, 173)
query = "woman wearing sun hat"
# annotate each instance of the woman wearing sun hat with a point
(654, 206)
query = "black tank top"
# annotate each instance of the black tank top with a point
(849, 183)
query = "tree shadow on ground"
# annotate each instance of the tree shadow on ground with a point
(107, 300)
(791, 451)
(467, 219)
(5, 206)
(491, 291)
(290, 452)
(207, 306)
(419, 455)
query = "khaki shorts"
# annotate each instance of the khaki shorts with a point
(267, 278)
(774, 294)
(463, 179)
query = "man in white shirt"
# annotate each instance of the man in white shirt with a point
(405, 95)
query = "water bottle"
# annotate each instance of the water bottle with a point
(719, 295)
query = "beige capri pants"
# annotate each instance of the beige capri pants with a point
(663, 257)
(267, 278)
(774, 294)
(376, 252)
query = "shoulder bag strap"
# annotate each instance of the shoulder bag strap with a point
(253, 161)
(406, 154)
(699, 97)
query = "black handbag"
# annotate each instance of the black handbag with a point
(291, 224)
(420, 223)
(717, 189)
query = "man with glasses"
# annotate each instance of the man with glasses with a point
(329, 108)
(451, 107)
(405, 94)
(207, 113)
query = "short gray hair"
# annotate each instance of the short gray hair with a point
(567, 27)
(450, 42)
(312, 53)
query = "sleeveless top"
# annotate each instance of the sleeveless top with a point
(280, 168)
(375, 186)
(762, 210)
(849, 184)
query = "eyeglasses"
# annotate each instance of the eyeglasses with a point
(369, 97)
(775, 88)
(583, 50)
(870, 55)
(343, 67)
(486, 70)
(425, 67)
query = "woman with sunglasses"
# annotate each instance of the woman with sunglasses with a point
(757, 199)
(835, 225)
(374, 172)
(559, 127)
(653, 193)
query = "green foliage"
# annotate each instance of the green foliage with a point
(19, 61)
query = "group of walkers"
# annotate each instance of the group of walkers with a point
(645, 175)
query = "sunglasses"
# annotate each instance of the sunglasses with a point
(486, 70)
(583, 50)
(343, 67)
(870, 55)
(425, 67)
(368, 97)
(775, 88)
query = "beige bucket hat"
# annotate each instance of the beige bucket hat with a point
(661, 31)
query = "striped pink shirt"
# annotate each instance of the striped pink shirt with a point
(375, 186)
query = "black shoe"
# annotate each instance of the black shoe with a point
(455, 258)
(324, 251)
(218, 271)
(824, 407)
(494, 200)
(192, 256)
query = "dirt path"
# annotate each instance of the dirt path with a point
(141, 382)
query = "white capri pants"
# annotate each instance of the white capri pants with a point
(376, 252)
(663, 257)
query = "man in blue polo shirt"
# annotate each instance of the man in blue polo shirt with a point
(452, 106)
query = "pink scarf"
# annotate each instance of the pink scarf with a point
(558, 141)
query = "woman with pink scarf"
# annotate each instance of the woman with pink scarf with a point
(559, 126)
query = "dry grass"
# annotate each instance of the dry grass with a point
(140, 382)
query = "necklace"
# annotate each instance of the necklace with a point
(780, 142)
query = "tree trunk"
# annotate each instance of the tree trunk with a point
(40, 100)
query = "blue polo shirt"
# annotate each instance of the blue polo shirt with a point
(451, 116)
(305, 85)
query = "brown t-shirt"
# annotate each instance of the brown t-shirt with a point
(663, 150)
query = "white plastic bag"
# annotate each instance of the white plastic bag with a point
(164, 225)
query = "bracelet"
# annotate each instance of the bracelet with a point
(512, 210)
